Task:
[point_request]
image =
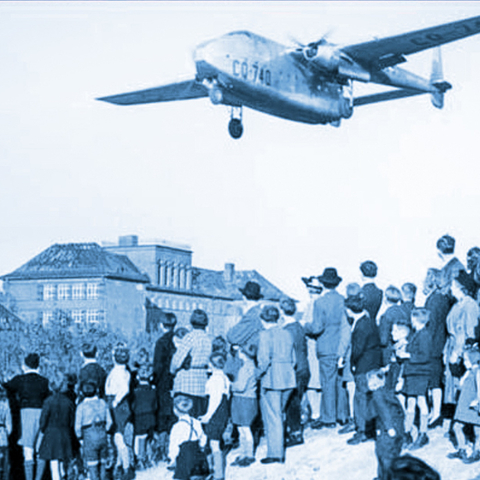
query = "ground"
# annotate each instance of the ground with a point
(326, 455)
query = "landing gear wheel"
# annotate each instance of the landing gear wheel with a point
(235, 128)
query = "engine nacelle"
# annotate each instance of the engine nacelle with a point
(323, 56)
(216, 94)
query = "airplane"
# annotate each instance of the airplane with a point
(310, 83)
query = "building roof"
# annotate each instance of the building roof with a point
(214, 283)
(78, 260)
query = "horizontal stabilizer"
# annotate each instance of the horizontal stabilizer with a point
(385, 96)
(166, 93)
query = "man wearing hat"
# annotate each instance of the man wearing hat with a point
(330, 328)
(371, 293)
(163, 379)
(245, 332)
(276, 371)
(191, 376)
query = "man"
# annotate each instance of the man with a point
(366, 355)
(371, 293)
(450, 265)
(327, 327)
(276, 371)
(191, 375)
(163, 379)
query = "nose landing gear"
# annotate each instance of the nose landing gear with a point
(235, 126)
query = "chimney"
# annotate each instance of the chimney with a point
(128, 241)
(229, 273)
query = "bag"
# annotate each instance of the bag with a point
(191, 460)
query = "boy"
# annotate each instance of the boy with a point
(92, 421)
(389, 415)
(187, 441)
(417, 373)
(91, 370)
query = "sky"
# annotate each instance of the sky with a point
(288, 199)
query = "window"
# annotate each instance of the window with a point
(47, 318)
(63, 292)
(92, 291)
(78, 316)
(92, 316)
(49, 292)
(78, 291)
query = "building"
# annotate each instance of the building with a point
(78, 282)
(179, 287)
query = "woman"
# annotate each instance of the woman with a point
(461, 323)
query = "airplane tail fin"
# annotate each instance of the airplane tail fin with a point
(436, 79)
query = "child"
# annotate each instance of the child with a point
(216, 418)
(400, 333)
(386, 408)
(244, 408)
(56, 428)
(5, 431)
(91, 370)
(417, 373)
(144, 409)
(92, 422)
(117, 389)
(467, 411)
(187, 441)
(30, 390)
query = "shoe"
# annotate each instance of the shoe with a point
(407, 441)
(246, 462)
(438, 422)
(461, 454)
(474, 457)
(420, 442)
(237, 461)
(294, 439)
(268, 460)
(318, 424)
(348, 428)
(357, 439)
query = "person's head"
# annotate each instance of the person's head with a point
(471, 355)
(142, 357)
(314, 286)
(432, 281)
(144, 372)
(219, 344)
(199, 319)
(182, 404)
(400, 330)
(393, 295)
(252, 291)
(218, 359)
(89, 389)
(353, 289)
(288, 307)
(473, 258)
(462, 285)
(355, 304)
(58, 382)
(330, 278)
(409, 290)
(121, 354)
(32, 361)
(369, 269)
(420, 317)
(169, 321)
(445, 246)
(178, 335)
(270, 314)
(376, 379)
(407, 467)
(89, 350)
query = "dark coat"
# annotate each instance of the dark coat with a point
(246, 332)
(93, 372)
(300, 345)
(420, 349)
(366, 353)
(373, 299)
(328, 321)
(438, 305)
(389, 413)
(30, 389)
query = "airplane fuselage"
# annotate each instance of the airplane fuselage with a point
(242, 68)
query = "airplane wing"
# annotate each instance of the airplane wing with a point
(385, 96)
(389, 51)
(166, 93)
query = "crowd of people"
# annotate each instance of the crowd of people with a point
(372, 362)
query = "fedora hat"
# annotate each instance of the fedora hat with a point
(251, 290)
(313, 284)
(330, 278)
